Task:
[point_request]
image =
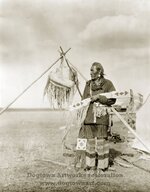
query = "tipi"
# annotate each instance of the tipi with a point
(143, 126)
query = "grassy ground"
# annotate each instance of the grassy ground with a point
(31, 145)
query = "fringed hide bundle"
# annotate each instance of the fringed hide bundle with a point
(61, 87)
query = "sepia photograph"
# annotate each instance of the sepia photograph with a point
(74, 95)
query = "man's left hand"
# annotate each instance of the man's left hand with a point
(100, 98)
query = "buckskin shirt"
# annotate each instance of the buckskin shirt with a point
(91, 89)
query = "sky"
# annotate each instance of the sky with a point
(113, 32)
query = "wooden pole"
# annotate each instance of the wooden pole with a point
(4, 109)
(78, 71)
(75, 68)
(76, 83)
(130, 129)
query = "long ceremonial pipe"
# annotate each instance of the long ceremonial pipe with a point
(4, 109)
(130, 129)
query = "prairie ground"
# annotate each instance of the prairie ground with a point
(31, 158)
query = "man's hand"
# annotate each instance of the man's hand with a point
(102, 99)
(94, 98)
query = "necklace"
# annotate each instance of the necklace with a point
(95, 85)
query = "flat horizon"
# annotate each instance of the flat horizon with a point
(31, 109)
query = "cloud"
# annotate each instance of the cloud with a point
(116, 32)
(29, 29)
(25, 32)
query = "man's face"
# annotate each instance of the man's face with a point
(94, 73)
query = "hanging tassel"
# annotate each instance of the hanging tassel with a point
(59, 96)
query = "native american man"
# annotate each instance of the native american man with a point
(96, 131)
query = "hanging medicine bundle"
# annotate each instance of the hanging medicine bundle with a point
(60, 87)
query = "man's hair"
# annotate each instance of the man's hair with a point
(99, 67)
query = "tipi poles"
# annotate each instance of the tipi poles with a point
(75, 68)
(130, 129)
(28, 87)
(77, 71)
(76, 82)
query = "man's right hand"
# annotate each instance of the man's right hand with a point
(94, 98)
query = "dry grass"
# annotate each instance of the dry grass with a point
(29, 139)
